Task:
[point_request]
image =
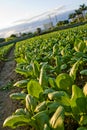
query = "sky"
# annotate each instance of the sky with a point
(15, 11)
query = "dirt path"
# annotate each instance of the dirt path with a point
(8, 69)
(7, 75)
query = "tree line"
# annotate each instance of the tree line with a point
(79, 15)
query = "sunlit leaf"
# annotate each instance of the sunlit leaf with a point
(34, 88)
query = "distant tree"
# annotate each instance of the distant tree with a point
(38, 31)
(23, 34)
(65, 22)
(13, 35)
(60, 23)
(83, 8)
(78, 13)
(72, 17)
(30, 34)
(2, 40)
(86, 16)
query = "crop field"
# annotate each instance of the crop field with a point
(53, 88)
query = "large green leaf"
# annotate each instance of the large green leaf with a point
(78, 101)
(79, 45)
(56, 95)
(40, 119)
(74, 69)
(55, 49)
(43, 80)
(52, 106)
(40, 107)
(49, 90)
(52, 83)
(83, 72)
(34, 88)
(18, 96)
(36, 68)
(30, 103)
(82, 128)
(15, 121)
(24, 69)
(56, 122)
(20, 111)
(64, 82)
(58, 64)
(22, 83)
(62, 98)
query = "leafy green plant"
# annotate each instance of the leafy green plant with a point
(43, 80)
(34, 88)
(64, 82)
(74, 69)
(18, 96)
(31, 103)
(4, 51)
(16, 121)
(83, 72)
(57, 120)
(82, 128)
(78, 102)
(21, 83)
(79, 45)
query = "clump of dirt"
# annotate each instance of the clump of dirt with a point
(1, 65)
(70, 124)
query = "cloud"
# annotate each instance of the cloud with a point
(7, 34)
(41, 16)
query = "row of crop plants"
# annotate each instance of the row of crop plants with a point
(54, 90)
(4, 51)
